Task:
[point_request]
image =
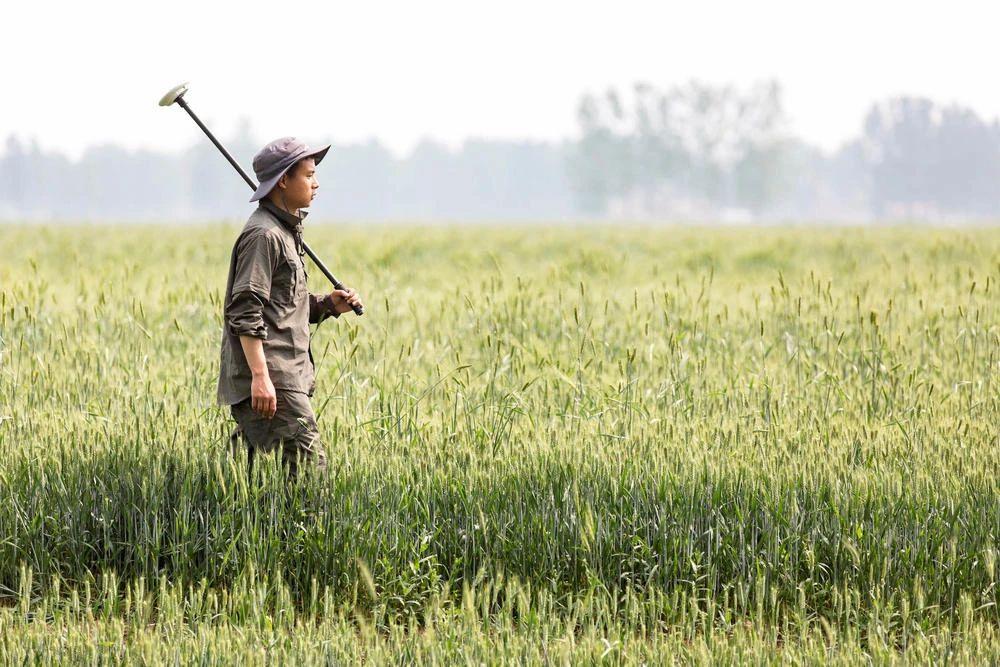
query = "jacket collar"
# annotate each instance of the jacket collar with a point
(292, 222)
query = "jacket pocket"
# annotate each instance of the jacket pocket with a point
(286, 281)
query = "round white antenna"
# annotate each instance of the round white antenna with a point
(173, 94)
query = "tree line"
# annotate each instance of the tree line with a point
(692, 152)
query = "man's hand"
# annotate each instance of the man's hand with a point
(344, 300)
(263, 400)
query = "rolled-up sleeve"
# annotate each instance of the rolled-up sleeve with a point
(256, 258)
(244, 315)
(321, 307)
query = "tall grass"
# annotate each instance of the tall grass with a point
(705, 441)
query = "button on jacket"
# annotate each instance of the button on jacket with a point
(266, 298)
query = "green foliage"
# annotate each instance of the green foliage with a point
(546, 444)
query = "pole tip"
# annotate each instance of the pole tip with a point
(174, 94)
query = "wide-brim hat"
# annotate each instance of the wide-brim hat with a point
(274, 159)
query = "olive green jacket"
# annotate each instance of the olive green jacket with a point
(266, 298)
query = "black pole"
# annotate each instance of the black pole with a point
(253, 186)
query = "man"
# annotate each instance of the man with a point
(267, 372)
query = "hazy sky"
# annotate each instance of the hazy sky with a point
(81, 73)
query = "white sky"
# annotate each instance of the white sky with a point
(82, 73)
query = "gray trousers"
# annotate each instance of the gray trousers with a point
(292, 429)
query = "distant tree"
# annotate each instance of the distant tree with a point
(968, 147)
(760, 176)
(656, 146)
(715, 143)
(599, 167)
(763, 149)
(691, 151)
(13, 172)
(925, 156)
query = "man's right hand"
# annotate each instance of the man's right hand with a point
(263, 400)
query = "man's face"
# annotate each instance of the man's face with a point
(298, 185)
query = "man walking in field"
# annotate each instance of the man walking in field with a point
(267, 372)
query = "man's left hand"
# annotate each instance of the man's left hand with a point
(345, 299)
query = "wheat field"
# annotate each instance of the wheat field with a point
(555, 444)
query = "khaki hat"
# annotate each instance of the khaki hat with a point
(273, 160)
